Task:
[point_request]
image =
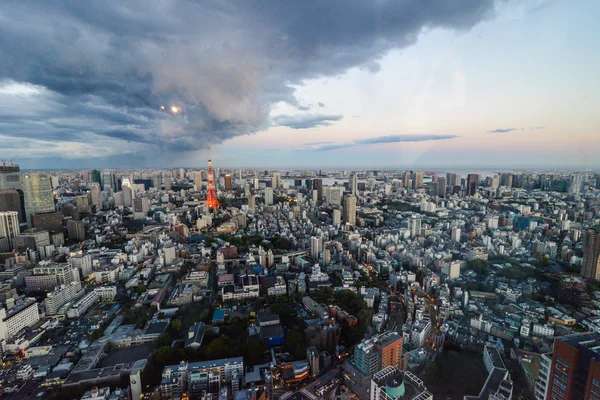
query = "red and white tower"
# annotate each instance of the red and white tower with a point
(211, 197)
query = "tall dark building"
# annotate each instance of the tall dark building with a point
(472, 183)
(13, 200)
(318, 186)
(575, 369)
(95, 175)
(228, 182)
(50, 221)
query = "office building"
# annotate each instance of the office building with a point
(76, 230)
(64, 273)
(379, 352)
(575, 367)
(316, 246)
(251, 204)
(50, 221)
(95, 176)
(96, 196)
(441, 186)
(228, 184)
(22, 315)
(13, 200)
(268, 196)
(415, 226)
(127, 197)
(354, 184)
(39, 198)
(9, 226)
(350, 209)
(590, 266)
(198, 180)
(334, 195)
(418, 180)
(10, 176)
(109, 181)
(472, 184)
(336, 217)
(406, 179)
(276, 180)
(318, 186)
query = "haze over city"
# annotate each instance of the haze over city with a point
(296, 84)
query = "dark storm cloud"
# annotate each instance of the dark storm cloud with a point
(305, 121)
(385, 139)
(113, 63)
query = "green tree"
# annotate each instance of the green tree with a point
(256, 349)
(163, 340)
(176, 325)
(163, 355)
(97, 334)
(161, 315)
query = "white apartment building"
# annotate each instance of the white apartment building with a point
(106, 292)
(61, 296)
(82, 305)
(23, 315)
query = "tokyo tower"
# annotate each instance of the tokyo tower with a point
(211, 197)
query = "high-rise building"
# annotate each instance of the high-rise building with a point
(51, 221)
(379, 352)
(354, 183)
(96, 194)
(415, 226)
(312, 356)
(127, 196)
(334, 195)
(418, 180)
(268, 196)
(39, 198)
(318, 186)
(228, 182)
(252, 204)
(76, 230)
(472, 183)
(441, 186)
(406, 179)
(336, 217)
(276, 180)
(9, 225)
(575, 369)
(316, 245)
(109, 181)
(95, 175)
(590, 267)
(350, 209)
(13, 200)
(198, 180)
(10, 176)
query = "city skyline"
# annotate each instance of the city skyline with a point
(354, 85)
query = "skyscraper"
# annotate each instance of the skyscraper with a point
(9, 225)
(590, 266)
(350, 209)
(268, 196)
(318, 186)
(228, 182)
(95, 175)
(252, 203)
(198, 180)
(334, 195)
(276, 180)
(96, 194)
(127, 196)
(10, 176)
(441, 185)
(37, 189)
(415, 226)
(354, 183)
(418, 180)
(11, 200)
(406, 179)
(108, 181)
(472, 183)
(316, 245)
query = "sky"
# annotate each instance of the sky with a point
(300, 84)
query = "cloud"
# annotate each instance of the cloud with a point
(385, 139)
(502, 130)
(316, 143)
(321, 104)
(305, 121)
(106, 68)
(506, 130)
